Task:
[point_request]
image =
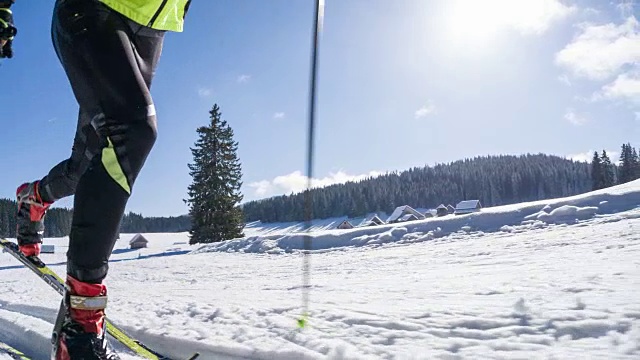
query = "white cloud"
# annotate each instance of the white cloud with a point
(574, 118)
(625, 87)
(564, 79)
(204, 92)
(261, 188)
(637, 114)
(244, 78)
(425, 110)
(614, 156)
(588, 156)
(582, 157)
(297, 182)
(470, 21)
(278, 115)
(536, 16)
(602, 51)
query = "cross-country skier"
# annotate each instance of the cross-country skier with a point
(109, 50)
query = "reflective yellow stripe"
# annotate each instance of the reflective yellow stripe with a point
(170, 17)
(111, 164)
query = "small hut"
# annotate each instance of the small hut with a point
(442, 210)
(138, 242)
(468, 207)
(408, 217)
(345, 225)
(451, 209)
(400, 213)
(373, 221)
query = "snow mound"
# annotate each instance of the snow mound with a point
(565, 213)
(610, 204)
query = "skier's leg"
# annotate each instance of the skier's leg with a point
(62, 179)
(35, 198)
(110, 62)
(115, 59)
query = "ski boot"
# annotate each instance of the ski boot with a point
(80, 329)
(30, 218)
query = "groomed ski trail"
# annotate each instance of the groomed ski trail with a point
(25, 333)
(31, 335)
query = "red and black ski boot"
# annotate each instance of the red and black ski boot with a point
(80, 329)
(30, 218)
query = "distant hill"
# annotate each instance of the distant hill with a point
(494, 180)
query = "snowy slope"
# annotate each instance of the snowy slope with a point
(553, 279)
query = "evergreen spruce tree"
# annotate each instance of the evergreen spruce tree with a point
(214, 194)
(608, 175)
(596, 171)
(627, 166)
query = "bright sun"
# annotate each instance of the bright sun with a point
(478, 23)
(474, 21)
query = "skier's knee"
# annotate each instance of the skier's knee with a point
(143, 137)
(144, 132)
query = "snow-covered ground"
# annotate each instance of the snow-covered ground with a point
(554, 279)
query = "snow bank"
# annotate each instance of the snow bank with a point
(286, 238)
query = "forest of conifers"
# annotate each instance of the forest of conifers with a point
(494, 180)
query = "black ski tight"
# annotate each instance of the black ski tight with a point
(110, 62)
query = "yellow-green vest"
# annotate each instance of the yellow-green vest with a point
(157, 14)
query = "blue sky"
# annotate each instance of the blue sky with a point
(401, 84)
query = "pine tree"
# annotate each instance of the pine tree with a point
(214, 194)
(596, 171)
(627, 164)
(608, 175)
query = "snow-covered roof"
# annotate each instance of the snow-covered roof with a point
(345, 225)
(395, 215)
(138, 238)
(375, 219)
(431, 212)
(402, 210)
(441, 206)
(408, 217)
(468, 204)
(371, 219)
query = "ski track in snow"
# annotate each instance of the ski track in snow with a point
(524, 281)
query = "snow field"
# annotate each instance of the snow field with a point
(555, 279)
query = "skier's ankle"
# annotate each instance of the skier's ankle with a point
(87, 303)
(30, 249)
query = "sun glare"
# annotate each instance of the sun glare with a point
(479, 23)
(474, 22)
